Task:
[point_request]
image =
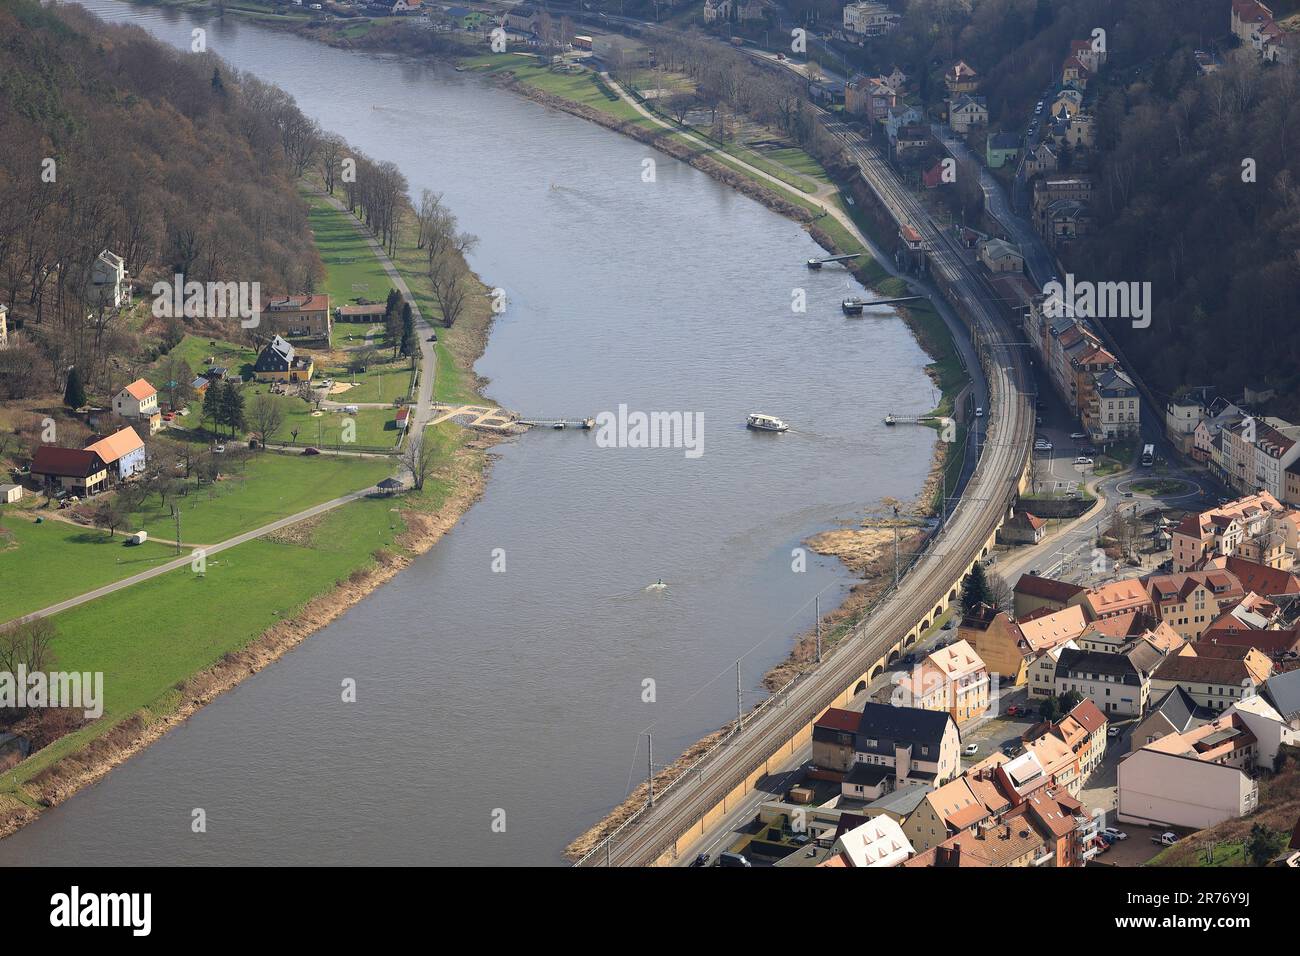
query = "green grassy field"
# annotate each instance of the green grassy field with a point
(351, 269)
(378, 383)
(148, 638)
(270, 486)
(375, 427)
(582, 87)
(55, 560)
(194, 349)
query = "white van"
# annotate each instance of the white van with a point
(350, 409)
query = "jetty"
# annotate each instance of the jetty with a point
(559, 423)
(818, 263)
(892, 419)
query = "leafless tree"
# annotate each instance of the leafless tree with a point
(266, 416)
(419, 458)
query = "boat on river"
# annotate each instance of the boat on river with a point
(766, 423)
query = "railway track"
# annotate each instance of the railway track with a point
(988, 495)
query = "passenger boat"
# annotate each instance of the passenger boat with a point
(852, 306)
(766, 423)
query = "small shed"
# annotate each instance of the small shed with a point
(140, 537)
(10, 493)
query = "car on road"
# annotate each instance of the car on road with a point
(1039, 108)
(219, 449)
(979, 411)
(1078, 436)
(1114, 834)
(433, 337)
(1127, 494)
(1043, 446)
(1082, 460)
(1013, 711)
(701, 859)
(1114, 730)
(971, 750)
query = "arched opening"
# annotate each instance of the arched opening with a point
(893, 655)
(876, 671)
(925, 625)
(862, 685)
(952, 595)
(984, 552)
(938, 609)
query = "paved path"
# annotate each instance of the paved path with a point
(185, 560)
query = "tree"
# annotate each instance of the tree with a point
(1003, 596)
(74, 392)
(212, 404)
(27, 645)
(1264, 844)
(409, 345)
(177, 376)
(975, 590)
(232, 408)
(267, 415)
(450, 288)
(419, 458)
(109, 514)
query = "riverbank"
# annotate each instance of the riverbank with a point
(322, 566)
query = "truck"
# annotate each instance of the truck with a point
(1168, 838)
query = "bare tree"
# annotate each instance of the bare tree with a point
(418, 458)
(27, 644)
(266, 416)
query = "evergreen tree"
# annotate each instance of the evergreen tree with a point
(975, 590)
(212, 411)
(232, 408)
(409, 346)
(218, 85)
(74, 393)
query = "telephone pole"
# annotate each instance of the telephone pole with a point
(740, 702)
(817, 609)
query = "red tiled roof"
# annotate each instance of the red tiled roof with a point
(837, 718)
(1262, 579)
(66, 462)
(1046, 588)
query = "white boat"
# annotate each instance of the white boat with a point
(766, 423)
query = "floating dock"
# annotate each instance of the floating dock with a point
(818, 263)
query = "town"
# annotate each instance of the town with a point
(991, 558)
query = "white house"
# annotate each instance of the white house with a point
(1193, 779)
(137, 400)
(868, 19)
(108, 285)
(1270, 730)
(966, 113)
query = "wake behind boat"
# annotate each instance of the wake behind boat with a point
(766, 423)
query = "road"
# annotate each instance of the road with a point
(988, 495)
(208, 551)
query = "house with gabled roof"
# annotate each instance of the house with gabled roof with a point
(139, 401)
(1214, 682)
(280, 362)
(75, 470)
(122, 452)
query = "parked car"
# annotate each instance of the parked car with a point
(1168, 838)
(1114, 731)
(1078, 436)
(219, 449)
(1114, 834)
(979, 411)
(1083, 460)
(701, 859)
(971, 750)
(1013, 711)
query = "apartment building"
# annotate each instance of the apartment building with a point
(1190, 601)
(1119, 684)
(952, 679)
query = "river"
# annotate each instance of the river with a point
(522, 691)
